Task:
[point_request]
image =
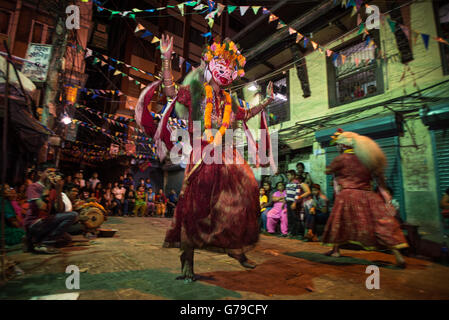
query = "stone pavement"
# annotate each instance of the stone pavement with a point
(133, 265)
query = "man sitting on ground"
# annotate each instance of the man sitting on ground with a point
(45, 196)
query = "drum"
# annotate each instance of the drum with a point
(92, 215)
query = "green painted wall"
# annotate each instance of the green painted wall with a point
(425, 70)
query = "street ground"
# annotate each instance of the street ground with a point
(133, 265)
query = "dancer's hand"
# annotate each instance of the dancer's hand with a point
(166, 46)
(270, 92)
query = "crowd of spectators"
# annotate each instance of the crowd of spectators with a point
(41, 213)
(292, 205)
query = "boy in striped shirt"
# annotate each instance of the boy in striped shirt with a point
(293, 192)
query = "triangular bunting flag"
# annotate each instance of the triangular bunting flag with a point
(281, 25)
(211, 23)
(181, 8)
(146, 34)
(188, 65)
(305, 42)
(272, 18)
(243, 10)
(265, 10)
(441, 40)
(181, 61)
(116, 72)
(155, 39)
(200, 7)
(425, 38)
(299, 37)
(231, 9)
(291, 30)
(255, 9)
(315, 45)
(406, 31)
(362, 27)
(88, 53)
(392, 25)
(343, 57)
(359, 19)
(354, 11)
(220, 8)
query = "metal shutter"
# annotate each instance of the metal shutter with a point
(441, 140)
(393, 174)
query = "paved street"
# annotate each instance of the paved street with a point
(132, 265)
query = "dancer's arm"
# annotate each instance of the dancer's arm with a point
(245, 115)
(167, 76)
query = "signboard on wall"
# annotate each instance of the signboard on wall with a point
(40, 55)
(72, 130)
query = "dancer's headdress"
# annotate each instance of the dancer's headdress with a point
(366, 149)
(228, 51)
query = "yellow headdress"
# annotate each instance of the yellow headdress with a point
(228, 51)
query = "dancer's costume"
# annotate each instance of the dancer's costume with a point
(360, 215)
(218, 206)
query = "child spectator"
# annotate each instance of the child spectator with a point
(268, 206)
(130, 201)
(141, 205)
(316, 212)
(148, 184)
(293, 192)
(119, 198)
(279, 211)
(161, 203)
(151, 206)
(263, 200)
(172, 202)
(141, 183)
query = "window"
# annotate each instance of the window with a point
(279, 110)
(354, 74)
(442, 12)
(41, 33)
(196, 37)
(175, 26)
(5, 19)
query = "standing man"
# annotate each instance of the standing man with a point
(94, 181)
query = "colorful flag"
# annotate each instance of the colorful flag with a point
(255, 9)
(243, 10)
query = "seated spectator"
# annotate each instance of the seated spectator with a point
(140, 208)
(171, 204)
(129, 202)
(279, 211)
(14, 233)
(94, 181)
(161, 203)
(263, 200)
(276, 178)
(317, 212)
(151, 205)
(108, 197)
(148, 184)
(302, 175)
(444, 205)
(43, 234)
(119, 192)
(268, 206)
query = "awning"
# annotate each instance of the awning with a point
(374, 127)
(28, 85)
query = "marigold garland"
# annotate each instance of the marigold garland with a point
(208, 115)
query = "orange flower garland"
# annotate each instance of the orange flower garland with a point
(208, 114)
